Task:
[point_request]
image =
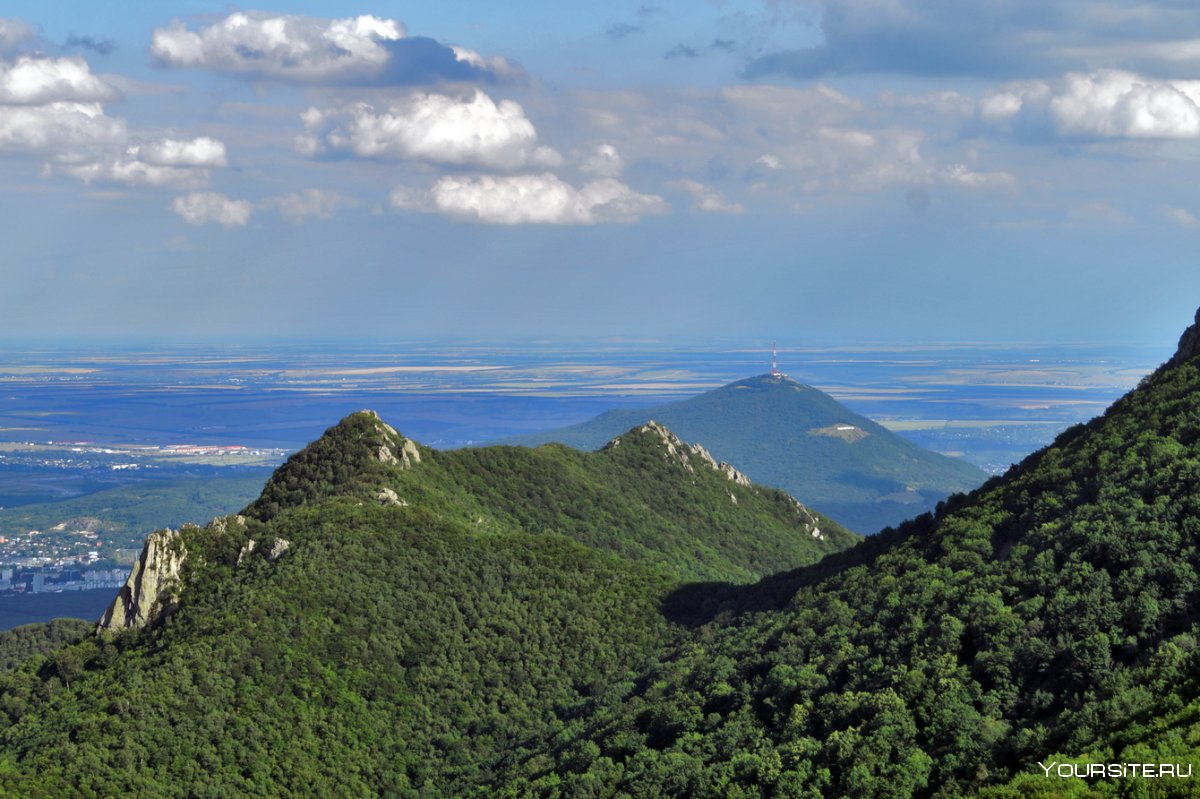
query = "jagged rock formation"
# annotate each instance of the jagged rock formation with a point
(151, 590)
(1189, 342)
(681, 452)
(395, 448)
(272, 553)
(388, 496)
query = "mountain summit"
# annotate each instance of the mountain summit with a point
(787, 434)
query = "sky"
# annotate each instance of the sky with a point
(817, 172)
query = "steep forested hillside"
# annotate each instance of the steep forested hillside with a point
(389, 620)
(786, 434)
(1054, 610)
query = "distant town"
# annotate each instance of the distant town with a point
(67, 454)
(17, 580)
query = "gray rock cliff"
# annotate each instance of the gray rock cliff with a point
(1189, 342)
(150, 592)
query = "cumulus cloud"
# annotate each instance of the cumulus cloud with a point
(299, 49)
(1121, 104)
(707, 198)
(63, 130)
(302, 205)
(1101, 104)
(182, 164)
(432, 127)
(292, 47)
(201, 208)
(202, 151)
(35, 80)
(53, 107)
(531, 199)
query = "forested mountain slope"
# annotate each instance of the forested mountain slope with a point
(388, 620)
(1053, 610)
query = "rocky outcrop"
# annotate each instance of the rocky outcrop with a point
(683, 453)
(733, 474)
(1189, 342)
(151, 591)
(808, 518)
(272, 553)
(387, 496)
(395, 448)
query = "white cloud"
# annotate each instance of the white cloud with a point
(1181, 217)
(963, 175)
(297, 48)
(604, 161)
(182, 164)
(1006, 102)
(1121, 104)
(132, 172)
(1102, 104)
(433, 127)
(54, 107)
(496, 65)
(36, 81)
(65, 131)
(200, 208)
(708, 199)
(531, 199)
(299, 206)
(201, 151)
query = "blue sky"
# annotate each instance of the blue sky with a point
(814, 171)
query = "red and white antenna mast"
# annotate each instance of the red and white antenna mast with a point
(775, 373)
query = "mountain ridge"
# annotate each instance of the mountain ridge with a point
(794, 436)
(480, 641)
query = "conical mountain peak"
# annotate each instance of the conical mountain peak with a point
(351, 453)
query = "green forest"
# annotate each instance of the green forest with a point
(634, 622)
